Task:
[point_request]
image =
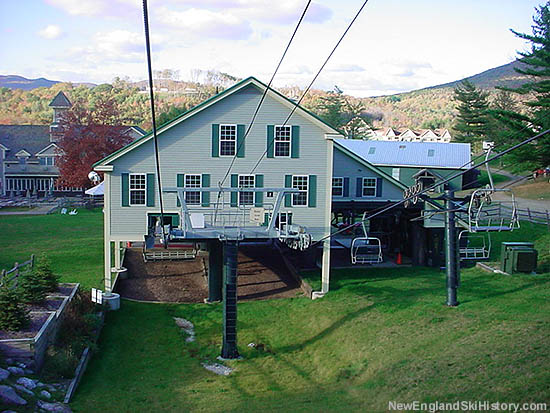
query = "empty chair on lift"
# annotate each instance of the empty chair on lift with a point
(365, 249)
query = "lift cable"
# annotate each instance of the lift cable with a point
(512, 148)
(151, 94)
(265, 93)
(296, 104)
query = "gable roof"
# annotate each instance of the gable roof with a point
(60, 101)
(413, 154)
(31, 138)
(211, 101)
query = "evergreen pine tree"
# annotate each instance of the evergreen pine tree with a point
(13, 315)
(473, 122)
(43, 271)
(515, 126)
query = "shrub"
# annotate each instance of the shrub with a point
(14, 316)
(31, 287)
(43, 270)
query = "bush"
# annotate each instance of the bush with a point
(31, 288)
(43, 270)
(14, 316)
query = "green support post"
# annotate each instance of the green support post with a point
(230, 252)
(215, 271)
(451, 252)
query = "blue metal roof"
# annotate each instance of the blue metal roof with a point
(422, 154)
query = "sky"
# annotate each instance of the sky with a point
(394, 45)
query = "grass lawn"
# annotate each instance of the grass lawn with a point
(539, 190)
(379, 335)
(497, 178)
(74, 243)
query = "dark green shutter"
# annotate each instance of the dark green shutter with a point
(379, 187)
(346, 188)
(240, 141)
(312, 191)
(234, 184)
(259, 196)
(150, 190)
(295, 139)
(215, 140)
(289, 218)
(359, 187)
(288, 184)
(266, 219)
(180, 183)
(175, 220)
(205, 195)
(125, 189)
(270, 141)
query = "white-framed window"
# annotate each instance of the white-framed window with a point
(284, 218)
(228, 140)
(47, 160)
(138, 189)
(246, 197)
(282, 141)
(192, 181)
(369, 186)
(300, 182)
(338, 186)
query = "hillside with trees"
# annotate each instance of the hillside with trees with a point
(420, 109)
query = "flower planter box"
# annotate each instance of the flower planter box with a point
(32, 350)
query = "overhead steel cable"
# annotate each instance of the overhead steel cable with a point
(152, 98)
(448, 179)
(265, 93)
(296, 104)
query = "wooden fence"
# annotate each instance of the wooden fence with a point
(12, 276)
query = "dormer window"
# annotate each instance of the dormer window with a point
(47, 160)
(22, 160)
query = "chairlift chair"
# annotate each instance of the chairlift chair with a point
(481, 248)
(365, 249)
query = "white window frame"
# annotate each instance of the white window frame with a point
(140, 189)
(243, 193)
(365, 186)
(275, 141)
(192, 185)
(227, 140)
(341, 186)
(280, 222)
(306, 191)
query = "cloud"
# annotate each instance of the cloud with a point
(51, 31)
(278, 12)
(102, 8)
(113, 46)
(346, 68)
(205, 23)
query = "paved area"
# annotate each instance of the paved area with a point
(40, 210)
(523, 203)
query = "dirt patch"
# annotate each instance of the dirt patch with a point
(262, 275)
(37, 320)
(172, 281)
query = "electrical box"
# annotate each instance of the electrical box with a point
(518, 257)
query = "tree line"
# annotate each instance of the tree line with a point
(501, 120)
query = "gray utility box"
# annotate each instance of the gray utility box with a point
(518, 257)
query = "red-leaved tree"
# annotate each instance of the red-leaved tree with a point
(89, 134)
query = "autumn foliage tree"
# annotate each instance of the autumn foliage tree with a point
(89, 134)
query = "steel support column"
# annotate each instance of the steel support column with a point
(215, 270)
(230, 252)
(451, 251)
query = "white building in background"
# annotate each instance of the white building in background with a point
(409, 135)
